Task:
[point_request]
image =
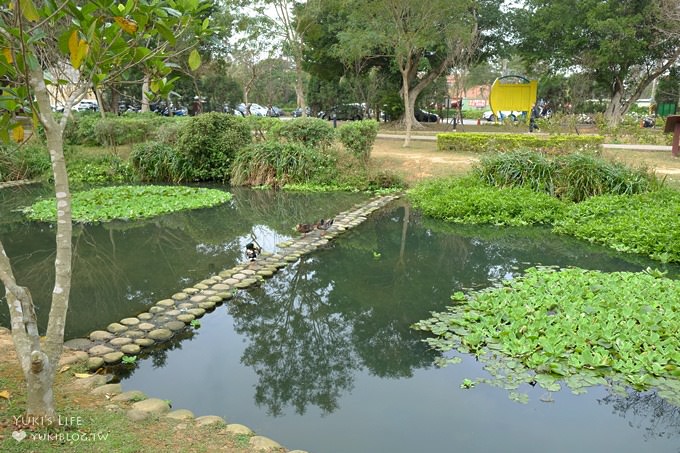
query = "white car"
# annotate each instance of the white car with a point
(86, 105)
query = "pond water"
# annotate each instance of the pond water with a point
(321, 356)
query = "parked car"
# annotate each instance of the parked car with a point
(86, 105)
(344, 112)
(424, 116)
(297, 113)
(275, 112)
(251, 109)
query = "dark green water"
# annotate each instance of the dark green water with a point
(321, 357)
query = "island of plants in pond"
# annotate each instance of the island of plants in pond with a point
(574, 326)
(129, 203)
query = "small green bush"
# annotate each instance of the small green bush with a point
(207, 145)
(276, 164)
(99, 170)
(478, 142)
(80, 129)
(358, 137)
(311, 132)
(26, 161)
(155, 162)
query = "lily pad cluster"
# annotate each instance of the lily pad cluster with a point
(129, 203)
(571, 326)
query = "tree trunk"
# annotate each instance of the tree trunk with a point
(299, 88)
(39, 362)
(614, 110)
(408, 107)
(145, 89)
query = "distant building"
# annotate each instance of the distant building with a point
(474, 97)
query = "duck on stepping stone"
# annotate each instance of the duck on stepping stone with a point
(252, 251)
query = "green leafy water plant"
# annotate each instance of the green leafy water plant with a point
(129, 203)
(645, 223)
(129, 359)
(195, 323)
(469, 200)
(573, 326)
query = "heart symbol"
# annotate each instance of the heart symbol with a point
(19, 435)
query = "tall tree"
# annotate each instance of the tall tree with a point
(90, 42)
(423, 40)
(616, 42)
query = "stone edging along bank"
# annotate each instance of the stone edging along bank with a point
(171, 316)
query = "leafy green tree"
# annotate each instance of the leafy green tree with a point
(616, 42)
(422, 40)
(70, 48)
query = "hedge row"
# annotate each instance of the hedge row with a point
(554, 144)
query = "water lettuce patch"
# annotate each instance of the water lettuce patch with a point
(573, 326)
(129, 203)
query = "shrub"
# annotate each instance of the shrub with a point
(471, 201)
(358, 137)
(207, 145)
(155, 161)
(478, 142)
(276, 163)
(80, 129)
(26, 161)
(518, 169)
(106, 169)
(312, 132)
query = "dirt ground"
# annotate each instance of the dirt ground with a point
(422, 160)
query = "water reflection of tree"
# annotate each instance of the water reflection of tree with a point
(299, 349)
(656, 416)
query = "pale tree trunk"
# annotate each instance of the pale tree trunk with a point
(39, 361)
(145, 89)
(299, 87)
(409, 105)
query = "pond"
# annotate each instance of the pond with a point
(321, 356)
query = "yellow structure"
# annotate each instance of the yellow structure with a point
(513, 96)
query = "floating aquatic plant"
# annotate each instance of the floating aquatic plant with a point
(573, 326)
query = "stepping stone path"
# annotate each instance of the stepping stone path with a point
(169, 316)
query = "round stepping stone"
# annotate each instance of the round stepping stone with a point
(248, 272)
(225, 295)
(221, 287)
(173, 325)
(144, 342)
(121, 341)
(225, 274)
(208, 292)
(113, 357)
(114, 327)
(145, 316)
(291, 258)
(242, 285)
(94, 363)
(129, 321)
(239, 276)
(152, 406)
(236, 428)
(198, 298)
(201, 286)
(185, 305)
(198, 312)
(181, 414)
(209, 420)
(263, 443)
(146, 326)
(265, 273)
(186, 318)
(130, 349)
(216, 299)
(190, 290)
(172, 313)
(132, 395)
(100, 335)
(232, 281)
(160, 334)
(100, 350)
(156, 310)
(207, 305)
(166, 303)
(208, 281)
(133, 334)
(180, 296)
